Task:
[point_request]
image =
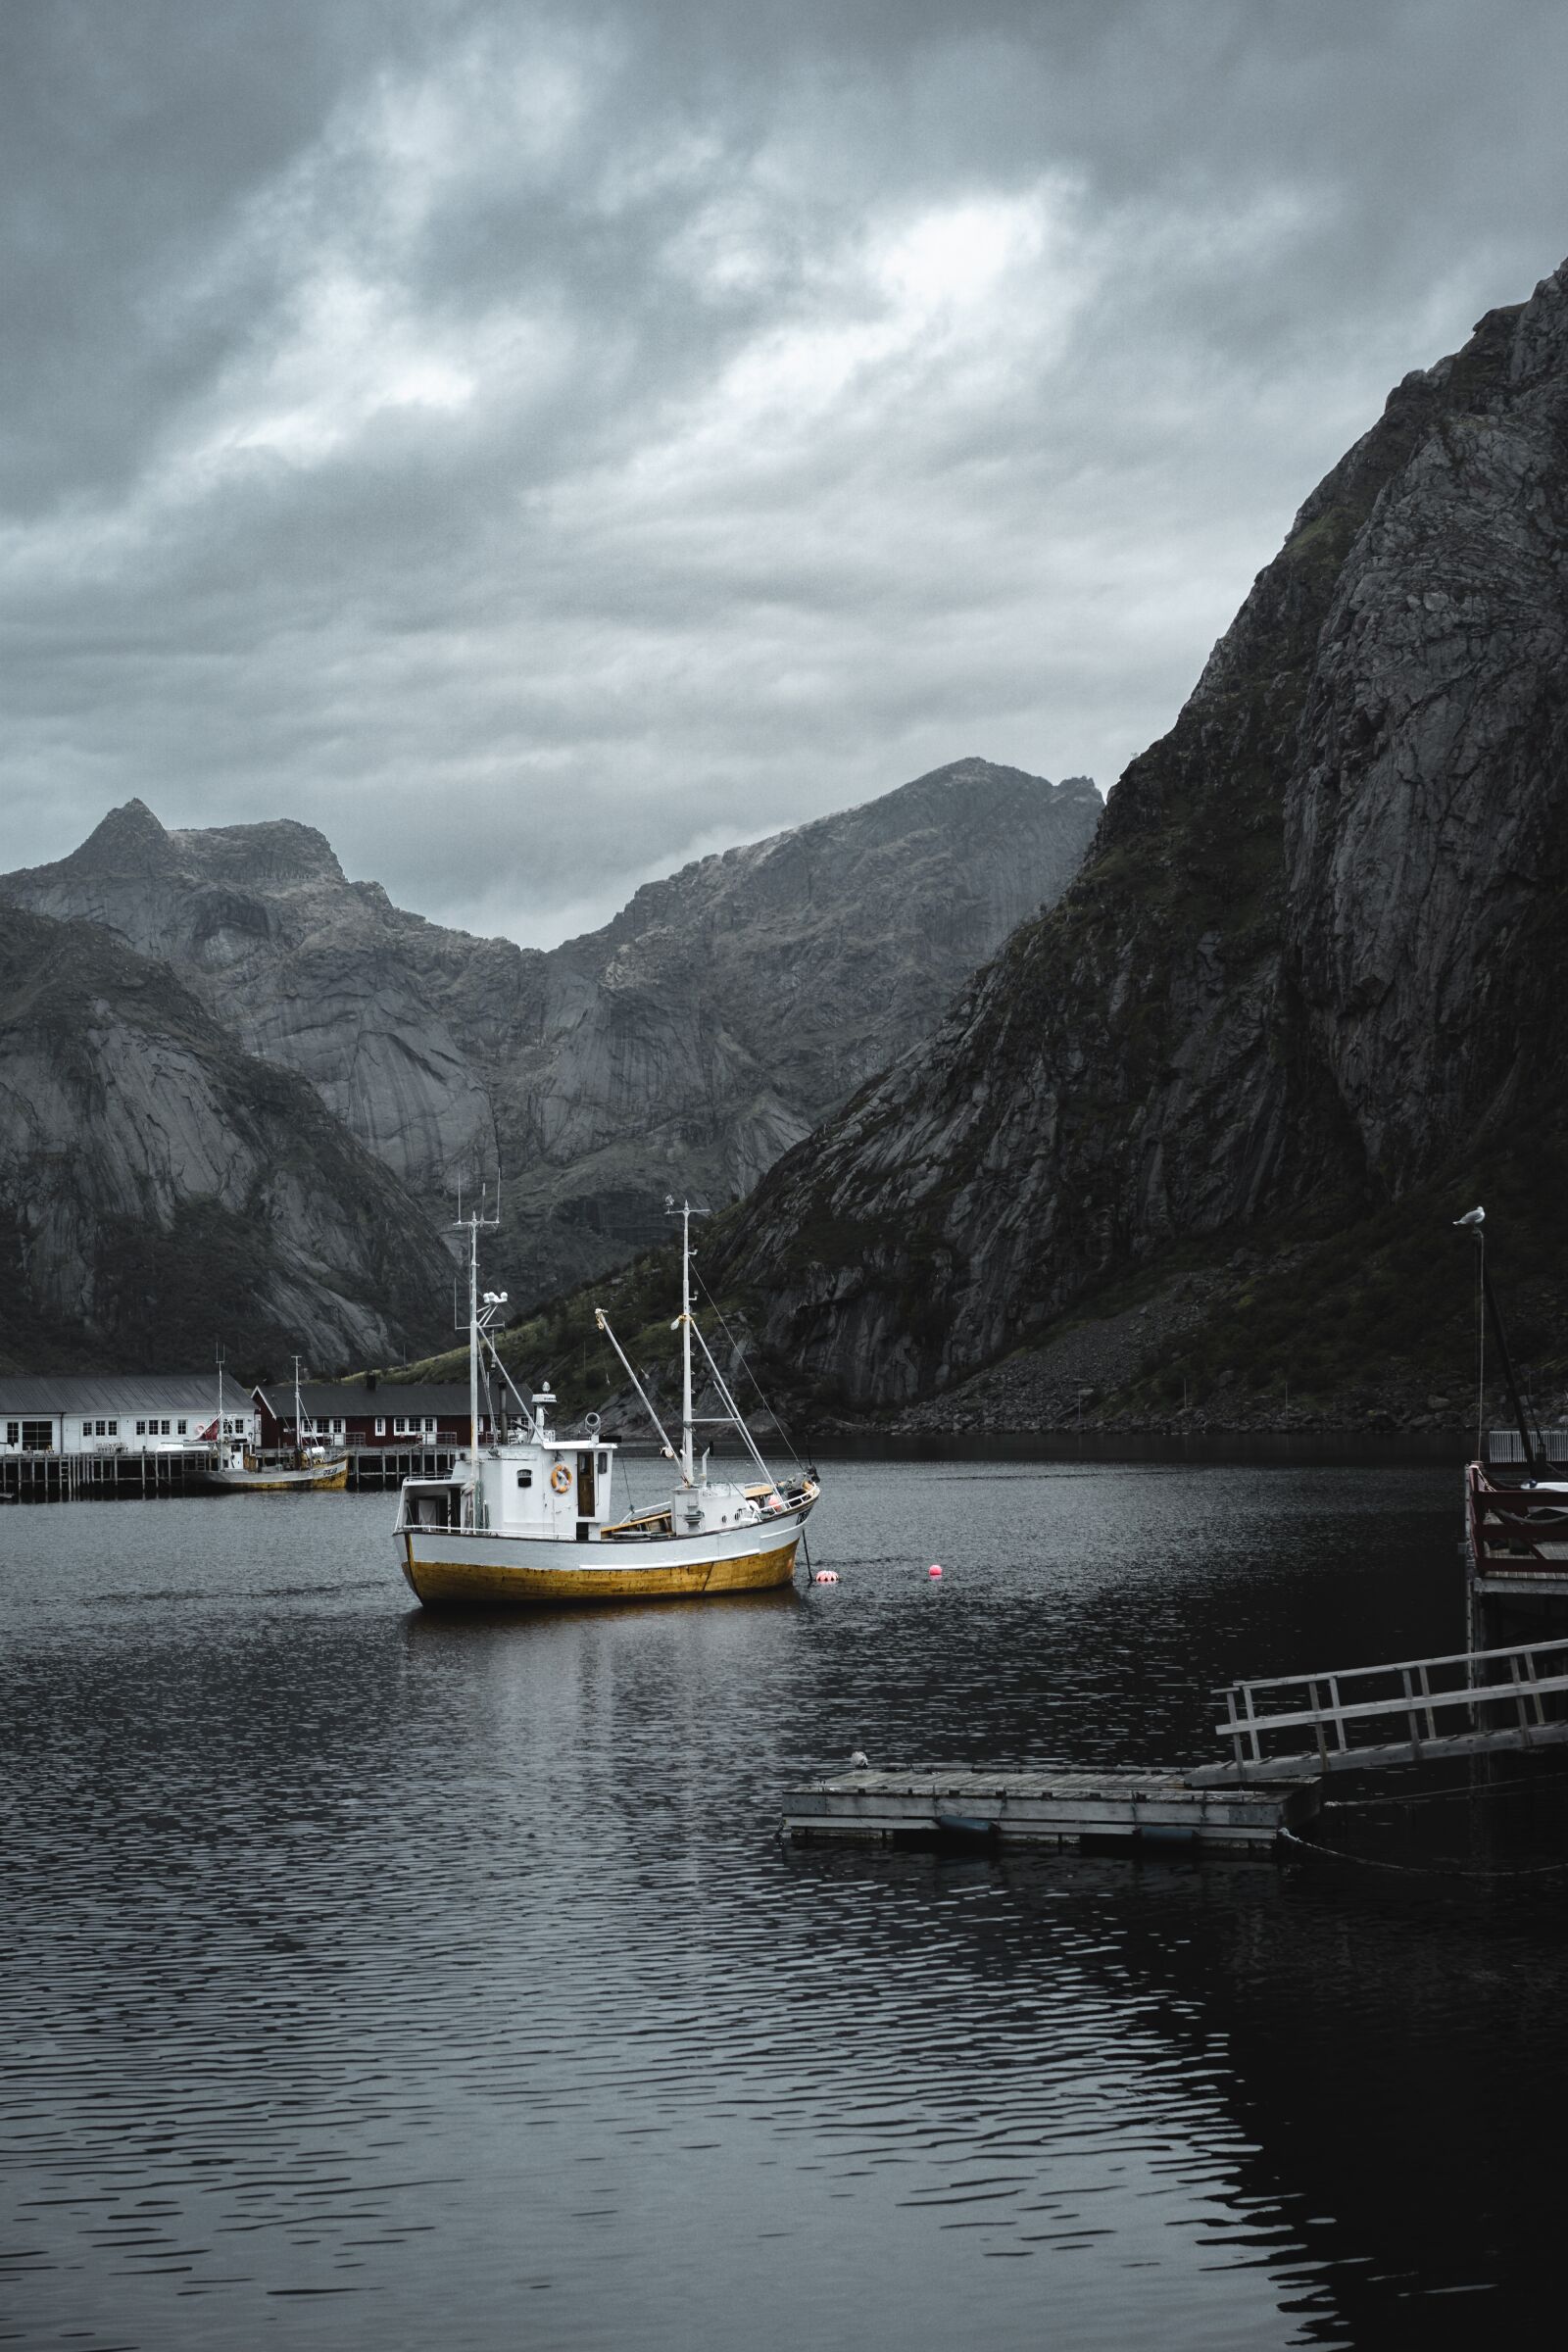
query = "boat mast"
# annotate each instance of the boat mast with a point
(686, 1342)
(474, 1350)
(218, 1434)
(299, 1424)
(475, 1223)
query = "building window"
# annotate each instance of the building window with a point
(164, 1431)
(111, 1428)
(429, 1425)
(13, 1433)
(141, 1429)
(179, 1429)
(380, 1429)
(38, 1436)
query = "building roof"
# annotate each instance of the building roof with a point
(117, 1392)
(448, 1400)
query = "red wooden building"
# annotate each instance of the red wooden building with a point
(412, 1413)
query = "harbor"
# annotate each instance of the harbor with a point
(468, 1966)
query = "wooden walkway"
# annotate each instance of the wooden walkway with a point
(1357, 1719)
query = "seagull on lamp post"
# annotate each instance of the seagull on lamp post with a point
(1472, 1216)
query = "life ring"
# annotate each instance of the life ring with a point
(560, 1478)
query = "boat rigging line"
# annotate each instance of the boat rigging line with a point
(745, 1367)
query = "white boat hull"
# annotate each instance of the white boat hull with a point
(453, 1567)
(329, 1476)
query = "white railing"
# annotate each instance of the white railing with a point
(1463, 1704)
(1506, 1444)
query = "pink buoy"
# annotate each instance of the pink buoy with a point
(933, 1571)
(825, 1576)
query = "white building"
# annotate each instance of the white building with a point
(134, 1412)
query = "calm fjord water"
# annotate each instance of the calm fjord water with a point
(371, 1980)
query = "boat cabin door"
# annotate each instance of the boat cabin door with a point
(585, 1484)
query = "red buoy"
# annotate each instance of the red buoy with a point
(933, 1571)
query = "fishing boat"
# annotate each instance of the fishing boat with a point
(528, 1519)
(238, 1468)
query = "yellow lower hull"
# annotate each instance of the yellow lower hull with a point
(470, 1584)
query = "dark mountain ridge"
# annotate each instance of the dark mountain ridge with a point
(1312, 964)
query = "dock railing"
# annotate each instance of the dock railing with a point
(1351, 1719)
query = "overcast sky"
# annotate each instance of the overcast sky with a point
(541, 444)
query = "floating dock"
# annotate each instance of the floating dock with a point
(1153, 1808)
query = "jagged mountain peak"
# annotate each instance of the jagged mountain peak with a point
(832, 860)
(279, 851)
(129, 838)
(131, 843)
(690, 1041)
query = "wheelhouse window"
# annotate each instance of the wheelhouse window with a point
(525, 1478)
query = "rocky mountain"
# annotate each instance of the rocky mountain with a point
(689, 1043)
(160, 1190)
(1314, 963)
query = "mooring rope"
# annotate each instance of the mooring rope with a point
(1425, 1870)
(1429, 1796)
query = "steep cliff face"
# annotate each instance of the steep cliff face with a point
(1316, 942)
(160, 1191)
(691, 1042)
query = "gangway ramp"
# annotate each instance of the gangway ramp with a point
(1418, 1710)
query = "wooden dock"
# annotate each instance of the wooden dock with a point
(111, 1473)
(1151, 1809)
(1359, 1719)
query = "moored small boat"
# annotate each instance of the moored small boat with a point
(528, 1521)
(236, 1468)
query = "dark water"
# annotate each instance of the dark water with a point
(371, 1980)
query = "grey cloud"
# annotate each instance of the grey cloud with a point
(537, 445)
